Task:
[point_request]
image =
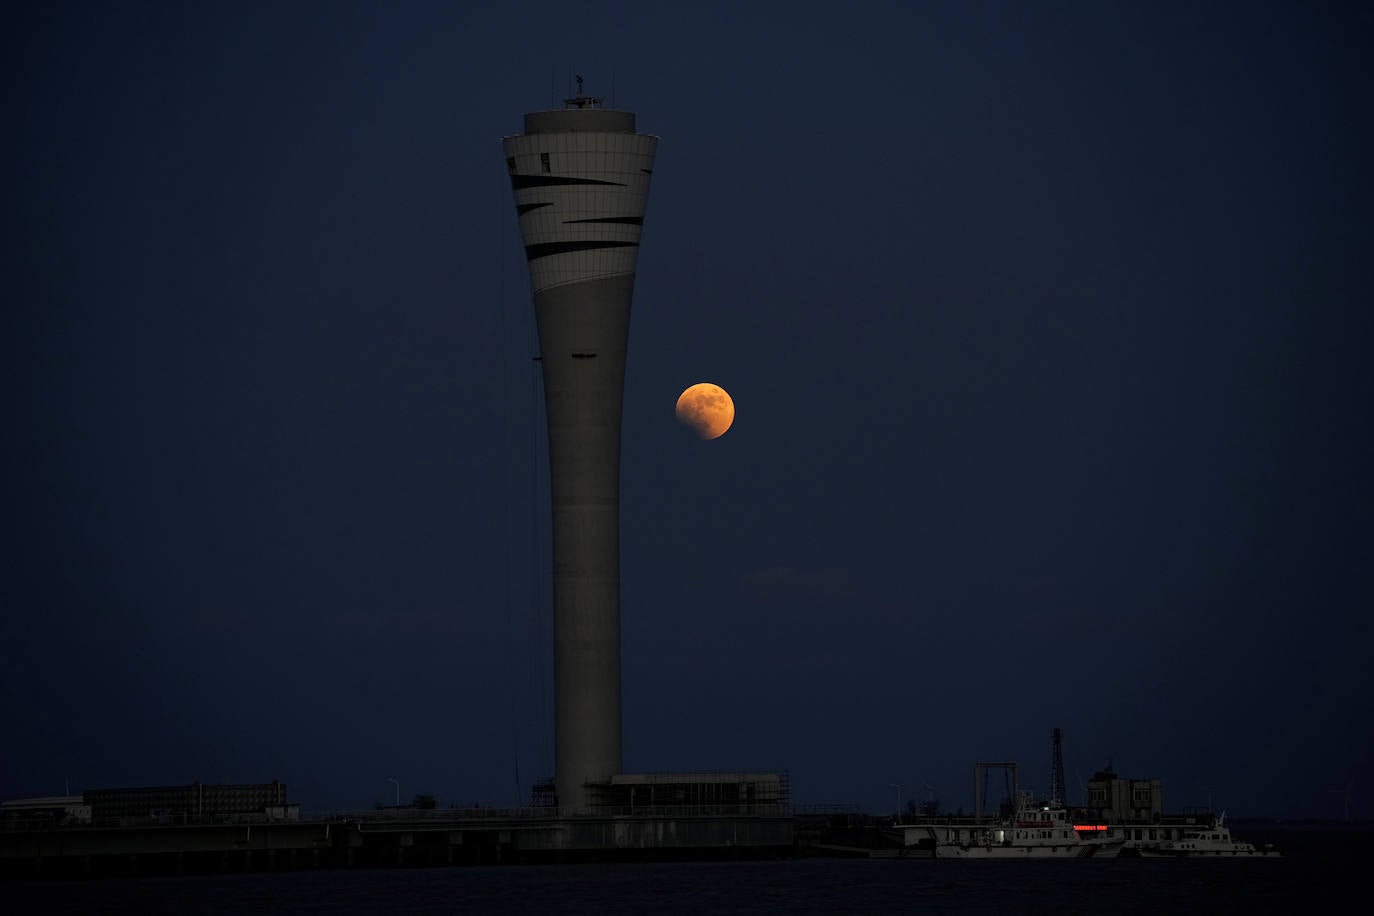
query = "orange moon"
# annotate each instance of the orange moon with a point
(706, 410)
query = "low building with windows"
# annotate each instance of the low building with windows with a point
(194, 803)
(48, 811)
(1115, 799)
(759, 794)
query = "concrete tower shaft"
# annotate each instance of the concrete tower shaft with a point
(581, 182)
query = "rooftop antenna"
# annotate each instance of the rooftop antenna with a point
(581, 100)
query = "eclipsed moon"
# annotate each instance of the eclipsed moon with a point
(706, 409)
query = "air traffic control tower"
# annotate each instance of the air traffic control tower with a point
(581, 180)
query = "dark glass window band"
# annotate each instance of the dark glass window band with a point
(543, 181)
(545, 249)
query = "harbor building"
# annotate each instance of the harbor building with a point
(1114, 799)
(193, 803)
(46, 811)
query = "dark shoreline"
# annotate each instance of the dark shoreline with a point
(1293, 841)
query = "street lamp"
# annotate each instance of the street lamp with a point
(398, 790)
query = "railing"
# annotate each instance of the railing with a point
(385, 815)
(178, 819)
(960, 820)
(801, 810)
(756, 809)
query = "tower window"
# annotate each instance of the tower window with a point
(544, 161)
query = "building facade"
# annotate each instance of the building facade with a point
(1116, 800)
(194, 803)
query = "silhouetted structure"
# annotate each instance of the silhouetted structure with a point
(1114, 799)
(695, 793)
(1058, 794)
(189, 803)
(46, 811)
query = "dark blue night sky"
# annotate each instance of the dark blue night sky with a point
(1047, 325)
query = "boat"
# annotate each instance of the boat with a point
(1209, 842)
(1035, 830)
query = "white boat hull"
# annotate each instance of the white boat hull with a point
(1157, 853)
(1213, 842)
(1070, 851)
(1038, 831)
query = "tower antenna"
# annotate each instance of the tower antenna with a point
(1058, 794)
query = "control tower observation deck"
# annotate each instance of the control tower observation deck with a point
(580, 176)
